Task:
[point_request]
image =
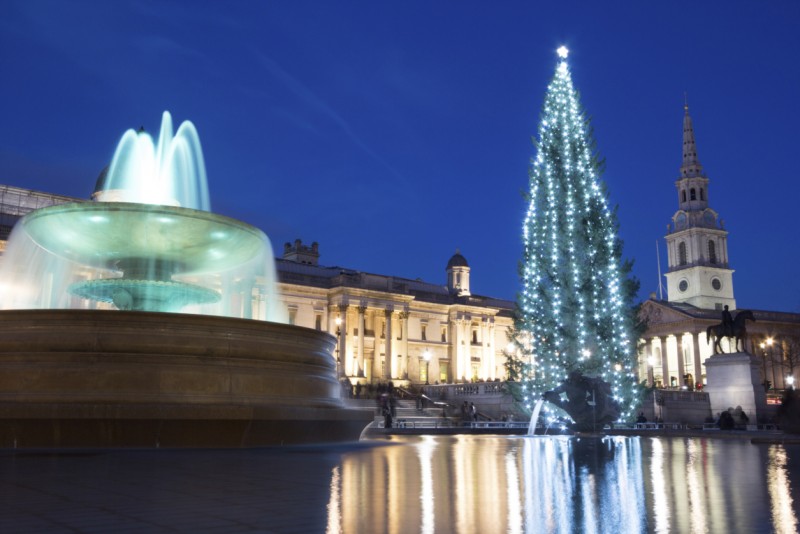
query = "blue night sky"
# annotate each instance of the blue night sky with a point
(394, 133)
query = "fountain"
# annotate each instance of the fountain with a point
(535, 417)
(129, 321)
(589, 401)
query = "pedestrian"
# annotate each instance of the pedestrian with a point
(473, 411)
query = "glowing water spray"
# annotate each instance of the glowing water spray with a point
(149, 243)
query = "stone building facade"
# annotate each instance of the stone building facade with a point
(699, 279)
(388, 328)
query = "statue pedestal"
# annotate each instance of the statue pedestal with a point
(734, 380)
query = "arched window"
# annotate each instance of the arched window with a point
(683, 195)
(682, 253)
(692, 194)
(712, 252)
(702, 194)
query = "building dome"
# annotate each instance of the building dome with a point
(457, 261)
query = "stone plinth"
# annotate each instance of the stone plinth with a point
(734, 380)
(93, 378)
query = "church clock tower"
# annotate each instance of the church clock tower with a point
(697, 243)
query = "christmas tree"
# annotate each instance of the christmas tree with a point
(574, 310)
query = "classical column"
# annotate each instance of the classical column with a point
(489, 353)
(361, 325)
(665, 361)
(342, 341)
(463, 349)
(455, 353)
(387, 362)
(651, 380)
(698, 370)
(681, 358)
(403, 372)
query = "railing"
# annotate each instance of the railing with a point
(647, 426)
(447, 423)
(750, 428)
(464, 390)
(681, 395)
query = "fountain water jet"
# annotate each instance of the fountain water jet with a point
(149, 243)
(179, 362)
(535, 417)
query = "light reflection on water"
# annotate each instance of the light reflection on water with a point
(469, 484)
(560, 484)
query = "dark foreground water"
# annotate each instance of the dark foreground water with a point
(470, 484)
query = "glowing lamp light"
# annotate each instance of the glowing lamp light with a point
(563, 52)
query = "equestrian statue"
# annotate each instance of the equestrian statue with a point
(730, 327)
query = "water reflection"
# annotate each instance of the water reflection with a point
(416, 484)
(560, 484)
(780, 492)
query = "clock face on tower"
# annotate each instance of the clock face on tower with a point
(683, 286)
(680, 221)
(709, 218)
(716, 284)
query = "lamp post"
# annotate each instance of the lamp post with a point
(790, 381)
(427, 357)
(766, 347)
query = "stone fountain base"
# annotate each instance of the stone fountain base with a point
(93, 378)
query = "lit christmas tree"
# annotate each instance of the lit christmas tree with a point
(574, 310)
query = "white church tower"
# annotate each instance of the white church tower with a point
(697, 243)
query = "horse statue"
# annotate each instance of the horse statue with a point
(738, 331)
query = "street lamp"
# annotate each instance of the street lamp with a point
(790, 381)
(766, 347)
(427, 357)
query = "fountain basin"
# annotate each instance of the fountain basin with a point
(141, 237)
(95, 378)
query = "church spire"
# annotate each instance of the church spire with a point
(697, 246)
(691, 165)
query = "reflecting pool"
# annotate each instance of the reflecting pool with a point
(413, 484)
